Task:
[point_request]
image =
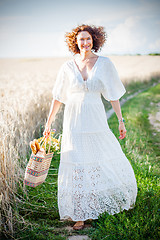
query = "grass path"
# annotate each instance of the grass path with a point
(39, 206)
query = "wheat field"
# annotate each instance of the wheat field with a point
(25, 98)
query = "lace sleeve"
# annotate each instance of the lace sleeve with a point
(113, 88)
(60, 88)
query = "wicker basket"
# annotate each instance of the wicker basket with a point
(37, 169)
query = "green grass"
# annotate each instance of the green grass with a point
(38, 206)
(142, 149)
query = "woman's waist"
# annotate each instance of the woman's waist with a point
(90, 97)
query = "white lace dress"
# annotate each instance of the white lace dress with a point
(94, 174)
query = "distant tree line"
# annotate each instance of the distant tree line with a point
(154, 54)
(150, 54)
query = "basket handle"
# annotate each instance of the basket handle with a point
(45, 140)
(49, 144)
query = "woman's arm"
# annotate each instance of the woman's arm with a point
(117, 108)
(53, 111)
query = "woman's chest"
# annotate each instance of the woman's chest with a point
(84, 69)
(77, 83)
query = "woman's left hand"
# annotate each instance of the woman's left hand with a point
(122, 130)
(47, 132)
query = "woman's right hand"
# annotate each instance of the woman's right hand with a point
(47, 132)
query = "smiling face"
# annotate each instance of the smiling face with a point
(84, 41)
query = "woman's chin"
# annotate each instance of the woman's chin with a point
(86, 50)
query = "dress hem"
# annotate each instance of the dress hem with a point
(68, 218)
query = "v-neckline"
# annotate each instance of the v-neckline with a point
(89, 71)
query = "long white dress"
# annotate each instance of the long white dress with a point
(94, 174)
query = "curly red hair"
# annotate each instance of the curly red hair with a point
(98, 35)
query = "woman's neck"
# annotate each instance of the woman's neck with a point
(86, 55)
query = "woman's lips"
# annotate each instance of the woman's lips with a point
(86, 46)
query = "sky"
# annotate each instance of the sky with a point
(36, 28)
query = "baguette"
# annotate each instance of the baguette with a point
(37, 145)
(33, 147)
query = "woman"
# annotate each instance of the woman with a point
(94, 174)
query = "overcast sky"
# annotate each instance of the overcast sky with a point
(36, 28)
